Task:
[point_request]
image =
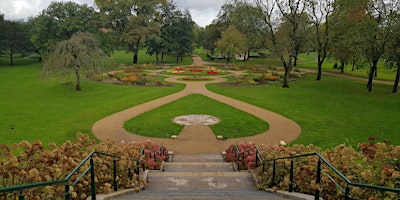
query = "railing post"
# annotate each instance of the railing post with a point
(256, 158)
(291, 175)
(318, 181)
(347, 192)
(67, 194)
(273, 173)
(92, 179)
(115, 176)
(21, 195)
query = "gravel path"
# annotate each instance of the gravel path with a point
(197, 139)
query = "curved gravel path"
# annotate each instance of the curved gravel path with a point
(197, 139)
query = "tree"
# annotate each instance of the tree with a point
(231, 42)
(319, 12)
(392, 54)
(283, 45)
(211, 34)
(377, 28)
(59, 21)
(177, 33)
(80, 53)
(14, 38)
(135, 20)
(246, 18)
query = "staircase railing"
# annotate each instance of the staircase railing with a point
(66, 180)
(239, 157)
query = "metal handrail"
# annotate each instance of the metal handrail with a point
(69, 176)
(322, 160)
(240, 154)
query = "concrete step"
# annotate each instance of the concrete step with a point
(200, 180)
(198, 158)
(201, 195)
(197, 166)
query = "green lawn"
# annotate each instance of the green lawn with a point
(330, 112)
(50, 110)
(123, 57)
(309, 62)
(234, 123)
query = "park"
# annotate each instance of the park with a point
(275, 119)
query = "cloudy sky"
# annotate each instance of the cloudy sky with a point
(202, 11)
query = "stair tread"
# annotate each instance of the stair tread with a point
(200, 173)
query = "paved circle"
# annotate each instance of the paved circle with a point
(192, 120)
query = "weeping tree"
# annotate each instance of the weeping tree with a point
(80, 53)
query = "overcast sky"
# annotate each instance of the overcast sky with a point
(202, 11)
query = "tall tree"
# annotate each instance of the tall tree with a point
(80, 53)
(319, 13)
(392, 54)
(177, 33)
(135, 20)
(231, 43)
(212, 33)
(377, 29)
(14, 38)
(59, 21)
(246, 18)
(284, 47)
(345, 37)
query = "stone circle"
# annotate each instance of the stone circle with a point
(196, 119)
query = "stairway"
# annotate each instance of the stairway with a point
(199, 177)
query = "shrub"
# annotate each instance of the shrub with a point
(30, 162)
(372, 163)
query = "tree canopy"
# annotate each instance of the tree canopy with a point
(80, 53)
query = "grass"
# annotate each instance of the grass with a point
(330, 112)
(234, 123)
(308, 61)
(52, 111)
(123, 57)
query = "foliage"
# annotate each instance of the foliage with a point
(372, 163)
(14, 38)
(231, 42)
(79, 54)
(243, 154)
(26, 162)
(59, 21)
(177, 33)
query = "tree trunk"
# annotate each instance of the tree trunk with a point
(78, 79)
(286, 78)
(11, 57)
(136, 52)
(295, 60)
(162, 57)
(342, 67)
(77, 73)
(135, 58)
(319, 73)
(371, 75)
(396, 82)
(177, 59)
